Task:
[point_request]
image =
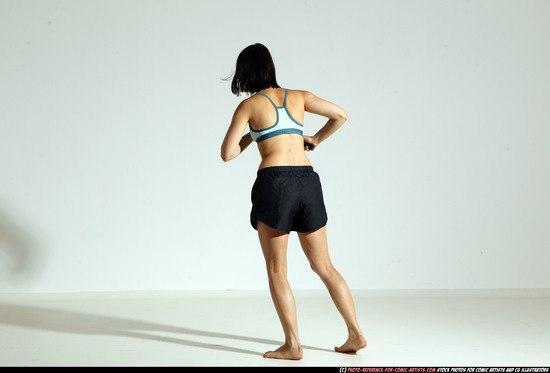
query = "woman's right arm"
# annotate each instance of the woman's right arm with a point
(335, 114)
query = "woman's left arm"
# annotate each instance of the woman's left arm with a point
(234, 142)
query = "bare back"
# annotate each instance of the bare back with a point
(261, 113)
(285, 149)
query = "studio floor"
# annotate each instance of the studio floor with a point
(234, 328)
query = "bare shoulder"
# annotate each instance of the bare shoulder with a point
(247, 104)
(300, 96)
(300, 92)
(317, 105)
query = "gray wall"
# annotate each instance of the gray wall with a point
(112, 114)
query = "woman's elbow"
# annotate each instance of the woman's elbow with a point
(340, 116)
(343, 115)
(223, 153)
(226, 155)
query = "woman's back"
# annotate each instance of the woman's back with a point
(262, 111)
(275, 107)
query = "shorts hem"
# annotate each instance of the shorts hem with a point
(315, 227)
(254, 223)
(255, 226)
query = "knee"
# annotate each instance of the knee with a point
(323, 270)
(276, 271)
(277, 277)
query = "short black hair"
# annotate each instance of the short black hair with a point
(255, 70)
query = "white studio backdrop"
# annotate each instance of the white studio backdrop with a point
(112, 114)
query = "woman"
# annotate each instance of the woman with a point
(287, 194)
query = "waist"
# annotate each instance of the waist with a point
(285, 170)
(286, 150)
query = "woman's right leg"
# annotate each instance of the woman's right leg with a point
(315, 247)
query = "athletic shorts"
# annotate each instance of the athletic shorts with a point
(288, 198)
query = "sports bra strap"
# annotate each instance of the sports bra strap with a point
(284, 103)
(285, 123)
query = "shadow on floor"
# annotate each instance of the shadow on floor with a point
(84, 323)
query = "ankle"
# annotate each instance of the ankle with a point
(293, 344)
(354, 332)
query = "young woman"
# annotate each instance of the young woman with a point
(287, 194)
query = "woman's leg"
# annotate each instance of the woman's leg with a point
(274, 245)
(315, 247)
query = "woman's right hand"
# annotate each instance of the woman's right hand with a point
(335, 114)
(309, 140)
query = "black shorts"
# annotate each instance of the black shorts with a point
(288, 198)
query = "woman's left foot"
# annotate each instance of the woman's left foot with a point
(285, 352)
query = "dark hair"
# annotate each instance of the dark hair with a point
(255, 70)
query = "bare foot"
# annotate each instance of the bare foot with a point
(353, 344)
(285, 352)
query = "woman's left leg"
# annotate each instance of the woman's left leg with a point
(274, 246)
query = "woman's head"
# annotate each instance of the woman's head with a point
(255, 70)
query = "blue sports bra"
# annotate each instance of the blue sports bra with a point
(284, 124)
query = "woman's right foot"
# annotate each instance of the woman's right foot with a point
(353, 344)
